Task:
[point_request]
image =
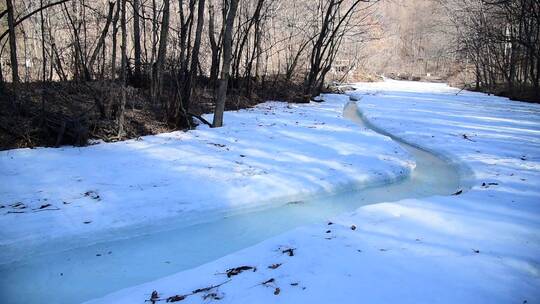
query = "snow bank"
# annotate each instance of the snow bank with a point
(478, 246)
(271, 154)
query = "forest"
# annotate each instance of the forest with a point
(73, 70)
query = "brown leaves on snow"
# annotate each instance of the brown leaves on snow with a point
(237, 270)
(289, 251)
(458, 192)
(274, 266)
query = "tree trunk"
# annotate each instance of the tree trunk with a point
(214, 47)
(1, 76)
(137, 42)
(162, 52)
(43, 55)
(44, 62)
(114, 43)
(80, 58)
(12, 43)
(188, 87)
(225, 70)
(101, 40)
(123, 68)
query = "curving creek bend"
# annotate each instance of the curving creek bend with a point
(80, 274)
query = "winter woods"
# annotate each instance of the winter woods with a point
(499, 40)
(174, 51)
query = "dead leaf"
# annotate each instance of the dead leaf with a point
(93, 195)
(237, 270)
(289, 251)
(154, 297)
(18, 205)
(467, 137)
(176, 298)
(212, 296)
(217, 145)
(274, 266)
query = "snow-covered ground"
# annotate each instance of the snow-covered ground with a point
(478, 246)
(272, 154)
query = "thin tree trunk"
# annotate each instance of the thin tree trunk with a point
(114, 42)
(188, 87)
(123, 70)
(153, 52)
(137, 42)
(1, 76)
(258, 45)
(12, 43)
(79, 55)
(225, 70)
(44, 61)
(162, 52)
(214, 47)
(101, 40)
(43, 55)
(58, 67)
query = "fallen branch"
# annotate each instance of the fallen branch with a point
(237, 270)
(176, 298)
(199, 117)
(45, 209)
(467, 137)
(14, 212)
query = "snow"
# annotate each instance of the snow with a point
(268, 155)
(479, 246)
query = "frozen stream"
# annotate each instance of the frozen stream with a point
(83, 273)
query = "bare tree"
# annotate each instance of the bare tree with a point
(225, 70)
(191, 73)
(12, 42)
(102, 37)
(114, 35)
(137, 42)
(336, 17)
(215, 48)
(162, 52)
(123, 69)
(502, 41)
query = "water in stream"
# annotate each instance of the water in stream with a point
(83, 273)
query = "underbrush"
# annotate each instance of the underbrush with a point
(71, 113)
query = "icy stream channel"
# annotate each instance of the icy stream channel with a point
(88, 272)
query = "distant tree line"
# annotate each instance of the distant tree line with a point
(500, 39)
